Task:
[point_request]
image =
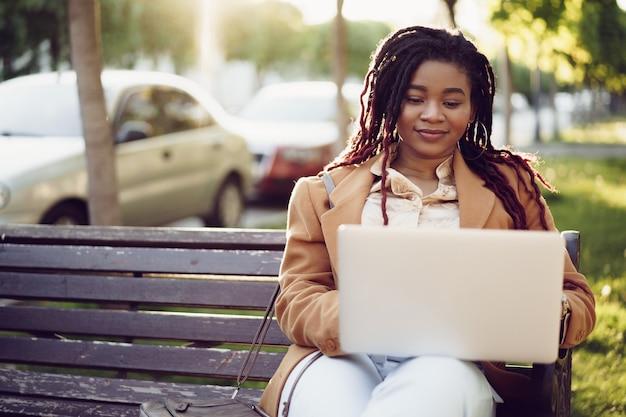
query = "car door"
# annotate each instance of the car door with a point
(199, 154)
(163, 161)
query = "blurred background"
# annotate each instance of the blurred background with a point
(561, 61)
(265, 77)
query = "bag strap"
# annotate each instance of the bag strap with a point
(259, 337)
(287, 403)
(330, 186)
(257, 343)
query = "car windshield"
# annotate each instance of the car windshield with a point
(39, 110)
(291, 109)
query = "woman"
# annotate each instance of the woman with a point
(426, 117)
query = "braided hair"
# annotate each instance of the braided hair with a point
(391, 69)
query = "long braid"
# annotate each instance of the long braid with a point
(392, 66)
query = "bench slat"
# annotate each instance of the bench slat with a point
(125, 391)
(206, 362)
(142, 325)
(167, 237)
(55, 407)
(141, 260)
(233, 294)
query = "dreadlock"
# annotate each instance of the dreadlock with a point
(391, 69)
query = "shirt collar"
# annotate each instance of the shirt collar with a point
(403, 187)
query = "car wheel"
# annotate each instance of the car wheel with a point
(66, 214)
(228, 207)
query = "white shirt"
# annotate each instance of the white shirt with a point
(406, 204)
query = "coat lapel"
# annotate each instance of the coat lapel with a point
(349, 196)
(475, 200)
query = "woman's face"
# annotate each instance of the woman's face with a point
(435, 111)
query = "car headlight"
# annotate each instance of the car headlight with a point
(5, 195)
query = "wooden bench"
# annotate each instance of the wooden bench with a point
(96, 320)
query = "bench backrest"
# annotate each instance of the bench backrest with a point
(138, 301)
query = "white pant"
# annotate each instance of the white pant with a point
(352, 386)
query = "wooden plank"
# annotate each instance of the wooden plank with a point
(58, 407)
(212, 328)
(207, 362)
(140, 260)
(205, 238)
(113, 390)
(225, 293)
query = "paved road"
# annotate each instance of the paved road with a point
(257, 215)
(523, 126)
(582, 150)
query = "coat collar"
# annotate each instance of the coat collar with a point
(476, 201)
(352, 186)
(351, 190)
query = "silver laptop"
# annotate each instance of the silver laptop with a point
(466, 293)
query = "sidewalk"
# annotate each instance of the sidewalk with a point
(597, 151)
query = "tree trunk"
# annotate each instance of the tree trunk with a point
(450, 4)
(84, 22)
(506, 84)
(535, 83)
(339, 72)
(556, 126)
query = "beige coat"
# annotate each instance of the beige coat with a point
(307, 308)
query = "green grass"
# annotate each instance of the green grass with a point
(602, 132)
(592, 199)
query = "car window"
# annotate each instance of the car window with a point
(158, 111)
(182, 112)
(140, 107)
(40, 110)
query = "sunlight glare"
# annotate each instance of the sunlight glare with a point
(396, 12)
(471, 15)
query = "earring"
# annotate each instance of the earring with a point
(485, 134)
(467, 136)
(475, 140)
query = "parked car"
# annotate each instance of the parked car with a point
(174, 159)
(291, 129)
